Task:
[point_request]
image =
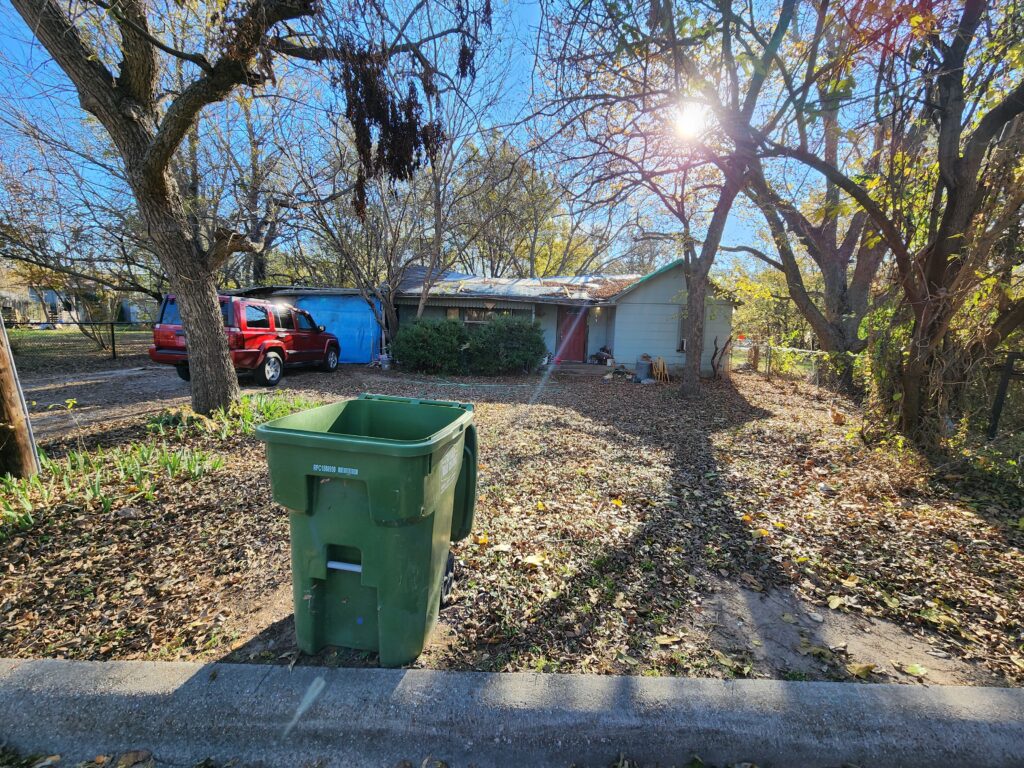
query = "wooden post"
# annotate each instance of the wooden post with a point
(18, 455)
(113, 343)
(1004, 383)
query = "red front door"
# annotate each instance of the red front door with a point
(572, 335)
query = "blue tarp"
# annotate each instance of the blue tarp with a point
(350, 319)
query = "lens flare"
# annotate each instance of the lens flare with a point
(690, 121)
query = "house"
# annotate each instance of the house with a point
(21, 302)
(25, 304)
(630, 314)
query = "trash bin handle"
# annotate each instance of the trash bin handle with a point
(464, 525)
(338, 565)
(416, 401)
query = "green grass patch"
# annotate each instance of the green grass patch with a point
(100, 478)
(241, 418)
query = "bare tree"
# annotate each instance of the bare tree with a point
(92, 40)
(843, 246)
(632, 88)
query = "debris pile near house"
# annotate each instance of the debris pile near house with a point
(647, 371)
(603, 356)
(660, 371)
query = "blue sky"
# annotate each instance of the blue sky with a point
(50, 92)
(744, 222)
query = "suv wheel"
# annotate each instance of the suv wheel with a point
(330, 362)
(184, 372)
(269, 371)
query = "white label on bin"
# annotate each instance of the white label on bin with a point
(449, 463)
(330, 469)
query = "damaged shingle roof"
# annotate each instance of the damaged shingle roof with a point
(581, 288)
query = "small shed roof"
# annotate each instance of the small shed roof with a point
(290, 290)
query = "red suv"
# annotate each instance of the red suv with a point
(263, 338)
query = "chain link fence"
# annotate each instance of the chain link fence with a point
(54, 348)
(790, 363)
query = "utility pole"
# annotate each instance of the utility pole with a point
(18, 455)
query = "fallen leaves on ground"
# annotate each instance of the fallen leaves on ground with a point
(605, 513)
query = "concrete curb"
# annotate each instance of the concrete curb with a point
(374, 717)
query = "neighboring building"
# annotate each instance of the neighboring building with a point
(341, 311)
(23, 304)
(629, 314)
(18, 306)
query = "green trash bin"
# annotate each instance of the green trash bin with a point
(377, 487)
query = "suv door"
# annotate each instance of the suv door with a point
(284, 325)
(308, 337)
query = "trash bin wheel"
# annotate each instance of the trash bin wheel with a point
(448, 580)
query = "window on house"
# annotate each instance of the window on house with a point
(452, 313)
(482, 315)
(684, 330)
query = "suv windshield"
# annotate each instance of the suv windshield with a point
(171, 315)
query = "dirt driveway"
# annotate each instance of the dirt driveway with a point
(101, 397)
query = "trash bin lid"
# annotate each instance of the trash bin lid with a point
(378, 424)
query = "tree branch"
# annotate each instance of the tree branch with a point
(136, 24)
(755, 253)
(61, 39)
(230, 70)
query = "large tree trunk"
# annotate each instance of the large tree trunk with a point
(259, 268)
(696, 271)
(434, 268)
(912, 407)
(214, 381)
(696, 293)
(193, 281)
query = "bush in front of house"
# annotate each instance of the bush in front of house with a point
(505, 345)
(432, 346)
(501, 345)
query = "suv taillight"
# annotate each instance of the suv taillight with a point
(235, 339)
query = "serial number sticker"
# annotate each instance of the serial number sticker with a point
(330, 469)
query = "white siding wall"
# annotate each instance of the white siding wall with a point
(547, 316)
(647, 321)
(600, 322)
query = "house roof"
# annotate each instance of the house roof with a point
(413, 277)
(714, 288)
(562, 289)
(460, 287)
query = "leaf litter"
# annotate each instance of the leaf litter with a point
(605, 514)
